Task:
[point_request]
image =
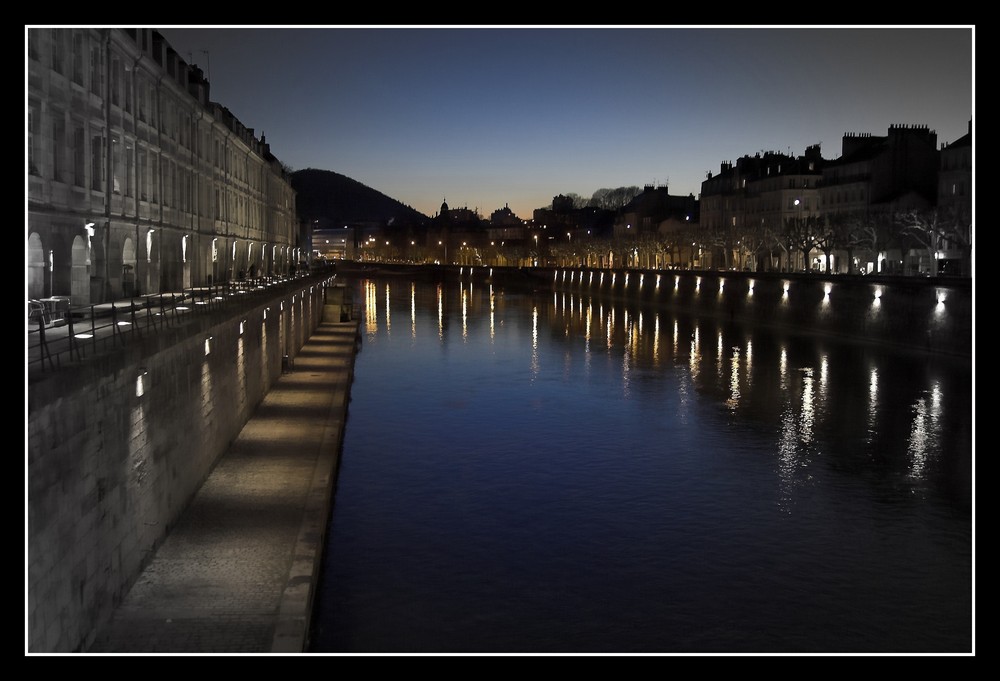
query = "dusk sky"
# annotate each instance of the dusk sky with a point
(487, 116)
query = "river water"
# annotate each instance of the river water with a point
(538, 472)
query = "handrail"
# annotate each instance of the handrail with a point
(86, 331)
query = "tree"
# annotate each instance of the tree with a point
(753, 243)
(613, 199)
(800, 233)
(930, 229)
(578, 201)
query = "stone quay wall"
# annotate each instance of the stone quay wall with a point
(119, 444)
(909, 313)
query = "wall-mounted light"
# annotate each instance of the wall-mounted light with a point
(208, 346)
(242, 324)
(140, 386)
(750, 289)
(89, 228)
(265, 312)
(786, 285)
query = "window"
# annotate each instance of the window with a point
(129, 167)
(33, 141)
(127, 88)
(58, 51)
(79, 156)
(154, 177)
(97, 162)
(116, 80)
(142, 92)
(167, 187)
(33, 44)
(58, 146)
(143, 172)
(116, 163)
(96, 80)
(78, 58)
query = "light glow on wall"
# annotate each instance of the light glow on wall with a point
(140, 386)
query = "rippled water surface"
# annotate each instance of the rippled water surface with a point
(539, 472)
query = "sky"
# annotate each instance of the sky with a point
(490, 116)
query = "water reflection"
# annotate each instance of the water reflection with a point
(567, 471)
(796, 396)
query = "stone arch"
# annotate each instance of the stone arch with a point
(35, 258)
(80, 272)
(152, 280)
(129, 268)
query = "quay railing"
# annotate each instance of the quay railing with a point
(60, 337)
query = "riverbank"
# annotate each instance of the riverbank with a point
(920, 314)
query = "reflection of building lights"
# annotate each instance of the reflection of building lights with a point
(939, 309)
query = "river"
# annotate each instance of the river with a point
(538, 472)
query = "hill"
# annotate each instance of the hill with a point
(332, 198)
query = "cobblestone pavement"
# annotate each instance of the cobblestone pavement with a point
(237, 574)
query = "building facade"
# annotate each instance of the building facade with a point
(955, 202)
(759, 213)
(136, 182)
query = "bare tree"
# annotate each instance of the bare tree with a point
(931, 229)
(613, 199)
(753, 242)
(801, 236)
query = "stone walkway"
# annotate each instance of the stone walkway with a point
(238, 572)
